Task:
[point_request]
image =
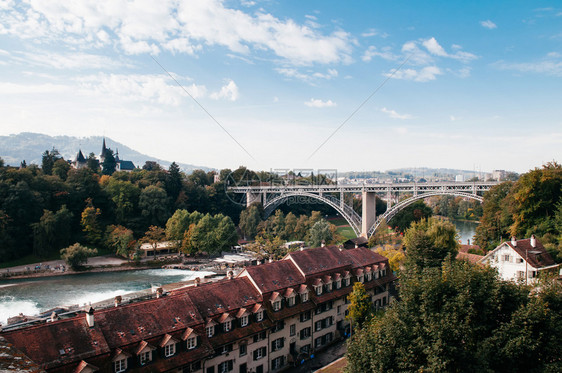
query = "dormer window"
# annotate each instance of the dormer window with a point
(259, 315)
(227, 325)
(291, 301)
(145, 357)
(277, 305)
(369, 276)
(191, 343)
(318, 290)
(304, 297)
(329, 287)
(169, 349)
(210, 330)
(120, 365)
(338, 284)
(360, 278)
(244, 320)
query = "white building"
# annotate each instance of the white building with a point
(518, 260)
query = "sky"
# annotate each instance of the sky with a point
(361, 85)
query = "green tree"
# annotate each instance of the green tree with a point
(52, 231)
(125, 196)
(77, 255)
(109, 163)
(360, 308)
(153, 203)
(496, 218)
(90, 221)
(290, 227)
(250, 219)
(174, 179)
(414, 212)
(48, 160)
(429, 241)
(154, 235)
(320, 233)
(93, 163)
(225, 232)
(61, 168)
(121, 240)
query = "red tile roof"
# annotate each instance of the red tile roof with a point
(322, 259)
(362, 257)
(525, 250)
(274, 276)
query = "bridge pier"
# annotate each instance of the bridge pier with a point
(253, 197)
(368, 202)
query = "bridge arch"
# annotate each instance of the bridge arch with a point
(344, 210)
(389, 214)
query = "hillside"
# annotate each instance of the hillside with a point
(30, 146)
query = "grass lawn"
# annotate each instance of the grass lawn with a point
(337, 220)
(347, 232)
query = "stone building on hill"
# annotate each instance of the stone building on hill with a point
(267, 319)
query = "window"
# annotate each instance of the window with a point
(259, 353)
(383, 272)
(170, 349)
(210, 330)
(277, 344)
(519, 260)
(120, 365)
(304, 297)
(277, 305)
(305, 316)
(225, 366)
(259, 316)
(360, 278)
(293, 330)
(338, 284)
(211, 370)
(244, 320)
(324, 323)
(279, 326)
(278, 362)
(318, 290)
(291, 301)
(259, 337)
(305, 333)
(191, 343)
(520, 274)
(305, 349)
(225, 349)
(506, 258)
(227, 325)
(339, 310)
(243, 349)
(346, 281)
(368, 276)
(145, 357)
(329, 287)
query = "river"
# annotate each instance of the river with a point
(466, 230)
(33, 296)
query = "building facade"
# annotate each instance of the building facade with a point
(267, 319)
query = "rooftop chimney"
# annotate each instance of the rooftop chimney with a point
(197, 281)
(230, 275)
(302, 248)
(54, 316)
(468, 242)
(118, 300)
(90, 316)
(323, 243)
(513, 241)
(159, 292)
(271, 260)
(533, 241)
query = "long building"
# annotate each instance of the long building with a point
(267, 319)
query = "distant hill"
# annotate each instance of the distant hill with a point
(30, 146)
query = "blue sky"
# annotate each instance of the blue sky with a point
(480, 88)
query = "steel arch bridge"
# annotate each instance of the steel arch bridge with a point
(390, 213)
(271, 196)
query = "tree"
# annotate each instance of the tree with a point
(61, 168)
(250, 219)
(125, 196)
(429, 241)
(153, 203)
(51, 232)
(151, 166)
(154, 235)
(109, 163)
(396, 256)
(121, 240)
(174, 179)
(320, 233)
(360, 308)
(496, 217)
(414, 212)
(225, 232)
(93, 163)
(48, 160)
(461, 318)
(90, 223)
(76, 255)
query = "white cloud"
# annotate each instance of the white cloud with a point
(434, 48)
(136, 87)
(319, 103)
(426, 74)
(147, 26)
(309, 77)
(385, 53)
(29, 89)
(228, 91)
(394, 115)
(69, 61)
(488, 24)
(553, 68)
